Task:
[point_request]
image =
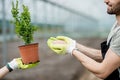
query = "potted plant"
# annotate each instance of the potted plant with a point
(25, 30)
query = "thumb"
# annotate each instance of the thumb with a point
(60, 37)
(50, 40)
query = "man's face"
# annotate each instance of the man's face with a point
(113, 6)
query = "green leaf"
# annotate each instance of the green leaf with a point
(23, 27)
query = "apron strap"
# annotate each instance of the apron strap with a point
(104, 47)
(109, 42)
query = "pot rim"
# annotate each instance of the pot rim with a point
(29, 44)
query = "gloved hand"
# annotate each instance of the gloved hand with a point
(62, 48)
(71, 44)
(58, 47)
(18, 64)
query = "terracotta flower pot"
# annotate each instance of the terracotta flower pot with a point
(29, 53)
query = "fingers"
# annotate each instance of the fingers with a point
(59, 48)
(50, 40)
(26, 66)
(59, 44)
(64, 38)
(53, 38)
(61, 37)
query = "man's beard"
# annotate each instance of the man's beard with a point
(115, 10)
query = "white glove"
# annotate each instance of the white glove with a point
(18, 64)
(71, 44)
(12, 65)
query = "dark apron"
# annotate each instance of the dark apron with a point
(115, 74)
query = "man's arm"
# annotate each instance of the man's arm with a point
(103, 69)
(63, 45)
(90, 52)
(86, 56)
(3, 71)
